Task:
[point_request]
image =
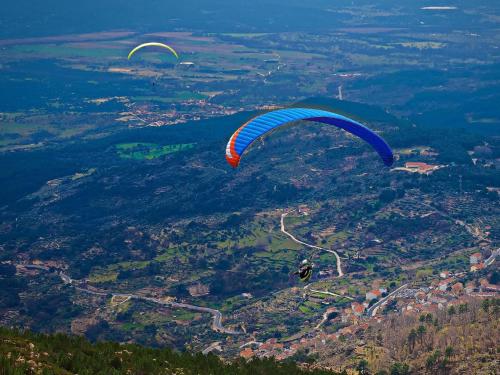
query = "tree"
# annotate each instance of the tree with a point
(218, 286)
(448, 352)
(7, 270)
(430, 362)
(433, 359)
(421, 330)
(412, 338)
(452, 310)
(400, 369)
(462, 308)
(387, 195)
(428, 318)
(485, 305)
(9, 299)
(494, 278)
(362, 367)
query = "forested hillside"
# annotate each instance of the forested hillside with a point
(462, 339)
(28, 353)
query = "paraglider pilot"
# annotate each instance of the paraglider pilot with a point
(305, 271)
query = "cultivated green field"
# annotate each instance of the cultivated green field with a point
(149, 151)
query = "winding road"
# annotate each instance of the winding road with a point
(213, 346)
(492, 258)
(250, 343)
(216, 314)
(323, 320)
(339, 265)
(372, 311)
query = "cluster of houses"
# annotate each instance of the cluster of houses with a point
(476, 262)
(419, 167)
(281, 351)
(270, 348)
(445, 293)
(304, 210)
(449, 290)
(375, 294)
(442, 293)
(197, 109)
(351, 318)
(359, 309)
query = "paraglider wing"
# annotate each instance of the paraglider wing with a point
(260, 125)
(152, 44)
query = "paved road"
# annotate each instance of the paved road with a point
(372, 311)
(339, 265)
(493, 256)
(257, 343)
(329, 293)
(323, 320)
(213, 346)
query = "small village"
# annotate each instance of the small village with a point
(445, 292)
(142, 114)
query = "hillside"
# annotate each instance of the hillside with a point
(123, 227)
(28, 353)
(143, 224)
(462, 339)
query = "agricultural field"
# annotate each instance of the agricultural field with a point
(148, 151)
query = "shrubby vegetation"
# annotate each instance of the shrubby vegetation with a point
(461, 337)
(25, 352)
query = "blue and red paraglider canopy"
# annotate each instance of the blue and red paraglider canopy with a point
(260, 125)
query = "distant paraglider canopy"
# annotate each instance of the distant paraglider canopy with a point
(260, 125)
(152, 44)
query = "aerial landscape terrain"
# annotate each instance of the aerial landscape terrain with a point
(128, 244)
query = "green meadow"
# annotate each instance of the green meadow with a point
(149, 151)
